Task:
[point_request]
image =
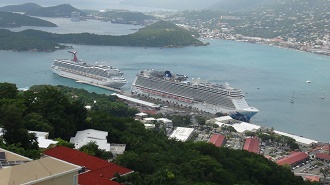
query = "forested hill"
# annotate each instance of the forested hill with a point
(9, 20)
(154, 158)
(20, 8)
(63, 10)
(160, 34)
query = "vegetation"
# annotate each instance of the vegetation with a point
(119, 16)
(160, 34)
(20, 8)
(17, 41)
(63, 10)
(154, 158)
(9, 20)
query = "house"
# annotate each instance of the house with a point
(90, 135)
(165, 122)
(312, 178)
(47, 170)
(182, 133)
(43, 140)
(217, 139)
(323, 157)
(252, 145)
(95, 170)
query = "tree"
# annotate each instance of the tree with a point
(8, 91)
(35, 121)
(62, 142)
(325, 171)
(92, 148)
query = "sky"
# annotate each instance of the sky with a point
(138, 5)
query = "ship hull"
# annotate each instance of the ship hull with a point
(193, 98)
(104, 82)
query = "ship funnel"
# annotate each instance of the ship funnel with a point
(75, 59)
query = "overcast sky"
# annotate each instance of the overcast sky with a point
(118, 4)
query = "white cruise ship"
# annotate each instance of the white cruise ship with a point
(100, 75)
(197, 94)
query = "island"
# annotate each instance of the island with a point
(160, 34)
(11, 20)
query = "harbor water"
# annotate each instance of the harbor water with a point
(269, 76)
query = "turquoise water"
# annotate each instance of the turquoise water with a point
(269, 76)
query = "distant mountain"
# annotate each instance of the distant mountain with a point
(171, 4)
(63, 10)
(9, 20)
(20, 8)
(238, 5)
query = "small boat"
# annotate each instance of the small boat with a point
(291, 101)
(308, 81)
(321, 97)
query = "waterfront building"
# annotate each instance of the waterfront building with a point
(294, 159)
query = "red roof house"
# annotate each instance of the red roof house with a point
(99, 171)
(251, 145)
(293, 158)
(217, 139)
(312, 178)
(323, 156)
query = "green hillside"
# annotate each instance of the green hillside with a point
(160, 34)
(20, 8)
(8, 20)
(63, 10)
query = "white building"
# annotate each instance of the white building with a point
(165, 122)
(90, 135)
(182, 133)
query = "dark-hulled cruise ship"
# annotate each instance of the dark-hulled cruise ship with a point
(92, 74)
(197, 94)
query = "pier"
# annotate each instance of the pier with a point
(102, 86)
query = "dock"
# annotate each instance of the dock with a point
(102, 86)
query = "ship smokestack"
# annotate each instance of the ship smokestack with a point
(74, 53)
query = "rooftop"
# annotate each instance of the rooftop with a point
(43, 169)
(251, 145)
(299, 139)
(90, 162)
(293, 158)
(90, 135)
(141, 102)
(323, 156)
(217, 139)
(182, 133)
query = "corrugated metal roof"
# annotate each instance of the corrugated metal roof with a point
(94, 164)
(217, 139)
(251, 145)
(293, 158)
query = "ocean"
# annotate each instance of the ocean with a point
(269, 76)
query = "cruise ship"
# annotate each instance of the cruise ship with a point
(100, 75)
(196, 94)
